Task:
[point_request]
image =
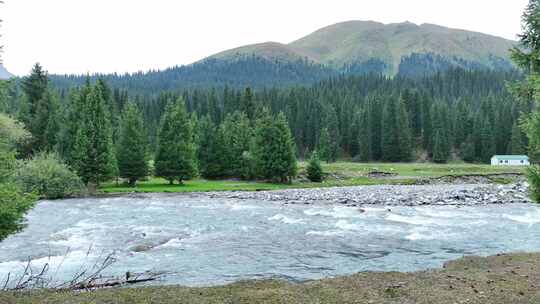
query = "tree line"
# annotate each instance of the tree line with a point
(457, 114)
(101, 138)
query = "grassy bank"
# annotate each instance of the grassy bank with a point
(339, 174)
(498, 279)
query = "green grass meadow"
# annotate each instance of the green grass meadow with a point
(338, 174)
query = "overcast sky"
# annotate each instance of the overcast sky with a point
(80, 36)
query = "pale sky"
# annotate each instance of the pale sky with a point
(86, 36)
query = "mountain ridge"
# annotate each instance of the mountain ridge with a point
(346, 48)
(4, 73)
(359, 41)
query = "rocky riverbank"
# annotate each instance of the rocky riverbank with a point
(391, 195)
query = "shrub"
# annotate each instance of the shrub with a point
(533, 173)
(13, 205)
(48, 177)
(314, 169)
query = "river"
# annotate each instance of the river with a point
(202, 241)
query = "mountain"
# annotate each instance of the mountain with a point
(356, 43)
(353, 47)
(4, 74)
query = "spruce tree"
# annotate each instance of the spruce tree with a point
(467, 152)
(94, 157)
(237, 134)
(487, 141)
(440, 154)
(248, 105)
(396, 134)
(314, 169)
(330, 138)
(39, 111)
(515, 146)
(442, 145)
(274, 150)
(176, 153)
(325, 145)
(132, 145)
(405, 134)
(365, 134)
(210, 151)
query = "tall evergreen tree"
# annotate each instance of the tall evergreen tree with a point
(94, 157)
(487, 140)
(396, 135)
(325, 145)
(440, 153)
(176, 154)
(248, 105)
(132, 146)
(330, 145)
(38, 112)
(441, 140)
(274, 149)
(515, 146)
(211, 151)
(237, 134)
(467, 151)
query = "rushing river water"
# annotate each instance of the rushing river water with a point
(207, 242)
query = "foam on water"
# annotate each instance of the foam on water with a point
(208, 241)
(527, 218)
(335, 212)
(328, 233)
(284, 219)
(344, 225)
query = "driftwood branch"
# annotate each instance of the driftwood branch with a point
(86, 278)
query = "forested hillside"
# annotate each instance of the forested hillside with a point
(457, 114)
(253, 71)
(348, 48)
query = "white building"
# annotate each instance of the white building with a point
(510, 160)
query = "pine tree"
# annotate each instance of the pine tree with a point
(330, 138)
(515, 146)
(38, 112)
(405, 134)
(314, 170)
(440, 154)
(461, 123)
(210, 150)
(467, 152)
(442, 145)
(274, 150)
(94, 157)
(248, 106)
(325, 144)
(237, 134)
(176, 154)
(487, 140)
(71, 121)
(132, 146)
(396, 134)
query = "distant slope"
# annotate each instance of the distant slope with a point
(4, 73)
(353, 47)
(357, 42)
(253, 71)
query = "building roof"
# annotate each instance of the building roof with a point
(511, 157)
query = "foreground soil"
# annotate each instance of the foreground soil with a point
(513, 278)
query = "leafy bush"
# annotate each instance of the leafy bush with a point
(13, 205)
(533, 173)
(314, 169)
(47, 176)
